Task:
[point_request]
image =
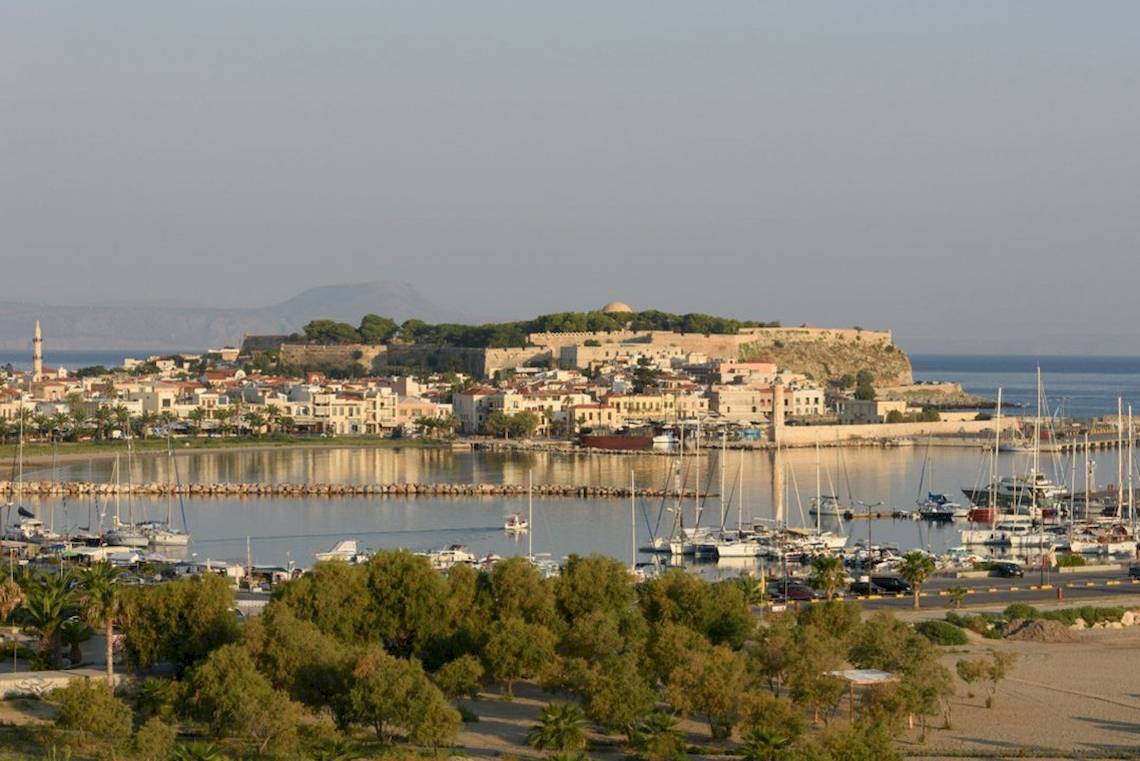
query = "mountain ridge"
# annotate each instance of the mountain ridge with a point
(148, 326)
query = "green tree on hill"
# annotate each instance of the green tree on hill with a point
(331, 332)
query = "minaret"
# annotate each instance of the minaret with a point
(37, 354)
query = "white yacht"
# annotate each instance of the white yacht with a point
(345, 550)
(450, 556)
(516, 523)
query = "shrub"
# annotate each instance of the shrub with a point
(941, 633)
(461, 677)
(91, 709)
(155, 740)
(1021, 610)
(1071, 561)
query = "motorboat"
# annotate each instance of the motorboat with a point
(345, 550)
(828, 507)
(516, 523)
(449, 556)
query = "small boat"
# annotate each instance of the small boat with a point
(345, 550)
(516, 523)
(828, 507)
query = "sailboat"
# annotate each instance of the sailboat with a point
(164, 534)
(741, 544)
(29, 528)
(126, 534)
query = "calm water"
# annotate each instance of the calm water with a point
(75, 359)
(294, 528)
(1079, 386)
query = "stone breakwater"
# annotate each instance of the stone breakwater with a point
(86, 488)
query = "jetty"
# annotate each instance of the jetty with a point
(75, 489)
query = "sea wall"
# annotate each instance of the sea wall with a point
(803, 436)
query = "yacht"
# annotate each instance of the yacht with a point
(1010, 532)
(450, 556)
(345, 550)
(828, 507)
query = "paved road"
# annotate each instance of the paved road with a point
(1105, 588)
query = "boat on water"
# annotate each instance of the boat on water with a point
(516, 523)
(939, 507)
(1014, 532)
(828, 507)
(346, 550)
(450, 556)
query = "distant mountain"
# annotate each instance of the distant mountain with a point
(159, 327)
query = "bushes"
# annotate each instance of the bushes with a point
(1071, 561)
(92, 710)
(1021, 610)
(1090, 614)
(942, 633)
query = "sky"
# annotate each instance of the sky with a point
(965, 173)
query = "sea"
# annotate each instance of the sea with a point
(1080, 387)
(77, 358)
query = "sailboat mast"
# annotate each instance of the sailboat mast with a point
(530, 514)
(697, 484)
(1119, 453)
(994, 462)
(723, 464)
(740, 496)
(1131, 441)
(818, 506)
(632, 522)
(1036, 450)
(1088, 477)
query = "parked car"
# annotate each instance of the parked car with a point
(892, 584)
(1134, 571)
(1007, 570)
(865, 588)
(793, 590)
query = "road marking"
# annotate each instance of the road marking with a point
(1014, 589)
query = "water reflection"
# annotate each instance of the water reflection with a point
(293, 528)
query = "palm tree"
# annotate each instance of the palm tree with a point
(765, 745)
(561, 726)
(79, 418)
(255, 421)
(196, 417)
(658, 736)
(122, 417)
(827, 574)
(42, 423)
(272, 416)
(916, 568)
(47, 602)
(198, 751)
(59, 424)
(100, 598)
(74, 634)
(103, 418)
(334, 749)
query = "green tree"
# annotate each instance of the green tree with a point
(710, 684)
(518, 590)
(335, 597)
(645, 376)
(74, 634)
(375, 329)
(617, 695)
(498, 423)
(198, 751)
(865, 393)
(460, 678)
(235, 700)
(178, 622)
(827, 574)
(408, 600)
(523, 424)
(561, 726)
(393, 695)
(99, 597)
(517, 650)
(331, 332)
(197, 417)
(916, 568)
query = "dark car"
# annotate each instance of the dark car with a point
(794, 591)
(891, 584)
(865, 588)
(1007, 570)
(1134, 571)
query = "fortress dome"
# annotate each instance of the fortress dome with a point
(616, 307)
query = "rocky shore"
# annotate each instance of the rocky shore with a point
(87, 488)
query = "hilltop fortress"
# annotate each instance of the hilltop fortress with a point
(822, 354)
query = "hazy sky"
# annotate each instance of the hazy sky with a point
(965, 169)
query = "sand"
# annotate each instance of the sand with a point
(1074, 699)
